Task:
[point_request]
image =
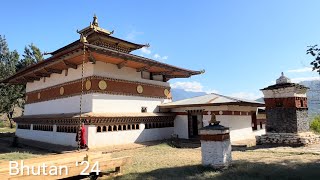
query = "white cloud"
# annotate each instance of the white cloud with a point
(158, 57)
(188, 86)
(246, 95)
(165, 57)
(305, 69)
(297, 80)
(133, 34)
(192, 86)
(145, 50)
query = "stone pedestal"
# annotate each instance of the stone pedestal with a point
(292, 139)
(215, 146)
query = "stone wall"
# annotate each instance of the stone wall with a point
(282, 120)
(302, 120)
(297, 139)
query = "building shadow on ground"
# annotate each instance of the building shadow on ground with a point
(239, 170)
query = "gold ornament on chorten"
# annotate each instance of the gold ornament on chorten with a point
(61, 90)
(166, 92)
(139, 89)
(88, 85)
(103, 85)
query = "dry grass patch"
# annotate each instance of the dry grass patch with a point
(16, 156)
(164, 162)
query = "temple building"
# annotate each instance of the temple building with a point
(97, 80)
(194, 113)
(122, 98)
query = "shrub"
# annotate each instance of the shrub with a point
(315, 124)
(2, 124)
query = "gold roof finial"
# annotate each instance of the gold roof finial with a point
(83, 38)
(95, 20)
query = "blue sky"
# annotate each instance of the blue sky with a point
(242, 45)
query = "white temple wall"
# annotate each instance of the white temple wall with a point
(67, 139)
(125, 73)
(240, 125)
(120, 103)
(55, 79)
(181, 126)
(59, 106)
(99, 103)
(100, 139)
(98, 69)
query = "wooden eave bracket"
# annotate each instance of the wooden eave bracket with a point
(122, 64)
(70, 65)
(51, 70)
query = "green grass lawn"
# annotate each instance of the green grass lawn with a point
(164, 162)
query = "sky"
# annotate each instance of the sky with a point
(243, 46)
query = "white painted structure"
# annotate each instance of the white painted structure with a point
(240, 125)
(96, 103)
(215, 152)
(231, 112)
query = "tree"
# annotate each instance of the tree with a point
(315, 52)
(11, 95)
(32, 55)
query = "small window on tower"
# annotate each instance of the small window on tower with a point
(301, 103)
(143, 109)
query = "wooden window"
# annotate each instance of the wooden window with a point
(99, 129)
(109, 128)
(115, 128)
(104, 129)
(301, 103)
(124, 127)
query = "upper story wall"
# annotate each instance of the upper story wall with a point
(98, 69)
(125, 73)
(56, 79)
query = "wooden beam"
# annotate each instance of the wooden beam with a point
(143, 68)
(162, 73)
(122, 64)
(45, 74)
(39, 74)
(33, 78)
(177, 76)
(50, 70)
(70, 65)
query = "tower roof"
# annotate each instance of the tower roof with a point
(284, 82)
(283, 79)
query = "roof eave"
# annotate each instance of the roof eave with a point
(212, 104)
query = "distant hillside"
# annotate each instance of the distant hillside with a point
(313, 96)
(179, 94)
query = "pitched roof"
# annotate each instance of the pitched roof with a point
(285, 85)
(211, 100)
(98, 45)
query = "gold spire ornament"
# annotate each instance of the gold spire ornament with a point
(95, 21)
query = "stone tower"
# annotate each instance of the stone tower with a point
(286, 107)
(287, 114)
